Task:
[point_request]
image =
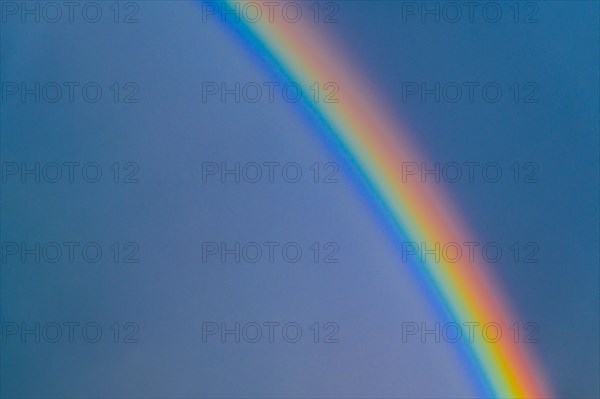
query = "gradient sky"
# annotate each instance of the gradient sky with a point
(170, 212)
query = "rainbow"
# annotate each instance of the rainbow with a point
(376, 146)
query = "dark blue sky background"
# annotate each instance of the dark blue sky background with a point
(170, 212)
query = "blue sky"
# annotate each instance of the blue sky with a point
(170, 212)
